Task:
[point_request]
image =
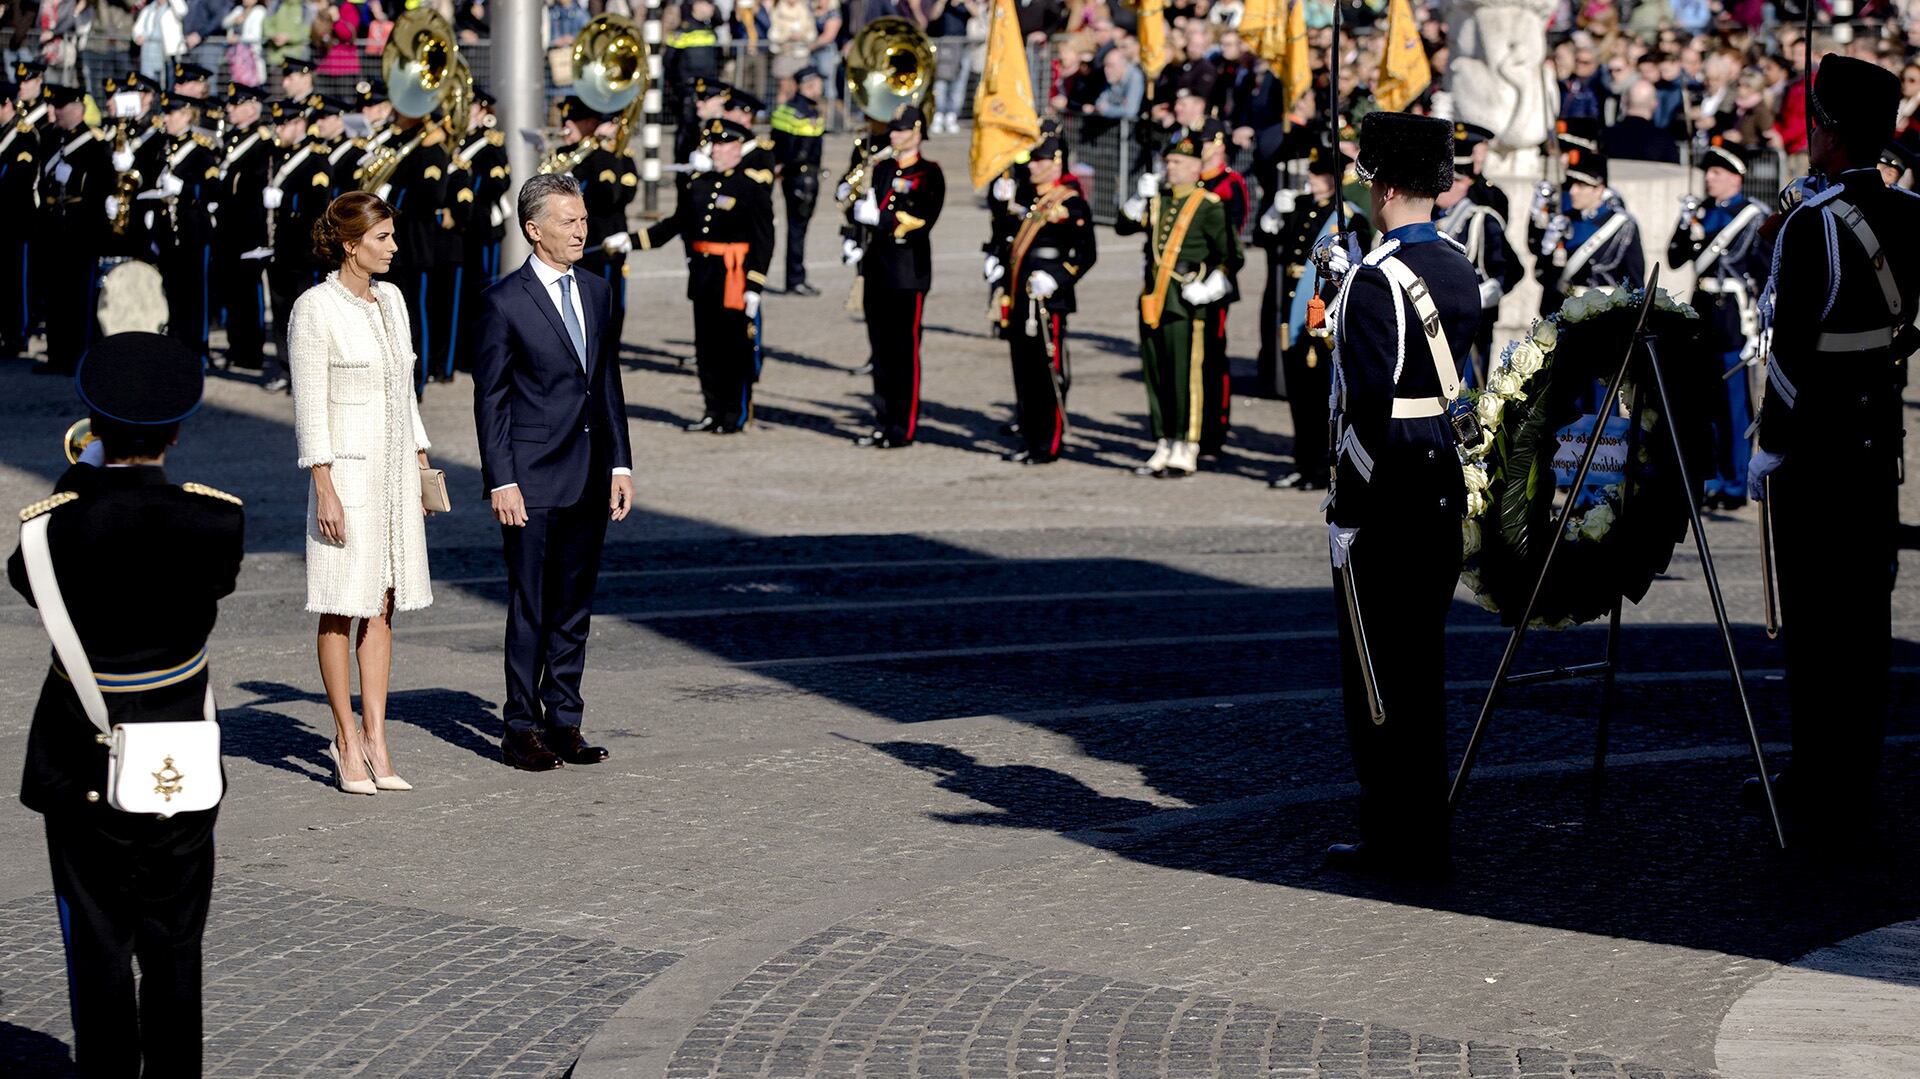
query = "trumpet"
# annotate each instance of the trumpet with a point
(424, 71)
(610, 75)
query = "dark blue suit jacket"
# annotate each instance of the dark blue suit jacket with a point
(544, 423)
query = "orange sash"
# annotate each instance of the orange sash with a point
(1153, 305)
(734, 258)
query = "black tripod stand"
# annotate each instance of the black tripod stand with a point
(1608, 667)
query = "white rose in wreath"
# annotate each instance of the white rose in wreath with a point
(1576, 307)
(1506, 384)
(1598, 523)
(1487, 409)
(1469, 538)
(1546, 333)
(1471, 580)
(1527, 358)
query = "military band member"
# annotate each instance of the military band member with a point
(445, 278)
(798, 132)
(141, 564)
(704, 98)
(726, 224)
(1478, 143)
(19, 176)
(1844, 281)
(190, 80)
(1482, 231)
(608, 183)
(1394, 513)
(240, 247)
(896, 267)
(1190, 252)
(177, 208)
(139, 152)
(296, 78)
(1596, 244)
(29, 77)
(76, 178)
(1719, 239)
(298, 193)
(483, 164)
(1216, 372)
(417, 189)
(1306, 352)
(1035, 269)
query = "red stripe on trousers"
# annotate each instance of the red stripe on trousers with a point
(913, 409)
(1059, 418)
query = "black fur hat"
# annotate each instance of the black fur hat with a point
(1412, 153)
(1855, 100)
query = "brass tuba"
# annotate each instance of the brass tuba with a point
(424, 71)
(889, 64)
(610, 75)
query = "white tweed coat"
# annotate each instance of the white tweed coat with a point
(354, 408)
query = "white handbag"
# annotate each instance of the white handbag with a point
(160, 768)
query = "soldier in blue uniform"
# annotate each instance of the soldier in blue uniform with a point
(1393, 515)
(1482, 230)
(141, 564)
(1594, 243)
(1842, 298)
(1719, 239)
(798, 132)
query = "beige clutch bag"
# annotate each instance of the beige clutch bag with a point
(433, 491)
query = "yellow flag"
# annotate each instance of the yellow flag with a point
(1263, 27)
(1152, 32)
(1296, 70)
(1404, 71)
(1004, 122)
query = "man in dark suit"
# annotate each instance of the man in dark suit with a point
(552, 420)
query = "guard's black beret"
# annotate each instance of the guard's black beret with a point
(907, 118)
(140, 378)
(1405, 151)
(58, 95)
(1854, 99)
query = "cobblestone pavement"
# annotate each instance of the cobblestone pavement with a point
(1044, 757)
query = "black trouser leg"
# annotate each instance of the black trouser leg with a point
(1404, 575)
(1266, 380)
(72, 282)
(1309, 376)
(133, 887)
(1035, 367)
(893, 332)
(187, 271)
(243, 293)
(443, 306)
(725, 354)
(482, 270)
(1217, 384)
(552, 564)
(799, 216)
(13, 294)
(283, 287)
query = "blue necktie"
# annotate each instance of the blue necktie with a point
(574, 333)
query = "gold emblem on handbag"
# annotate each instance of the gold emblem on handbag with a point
(433, 491)
(149, 765)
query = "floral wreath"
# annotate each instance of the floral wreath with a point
(1618, 542)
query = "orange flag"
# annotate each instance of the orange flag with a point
(1404, 71)
(1005, 124)
(1152, 32)
(1296, 70)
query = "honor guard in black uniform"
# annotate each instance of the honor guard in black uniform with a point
(1843, 296)
(896, 265)
(1482, 231)
(19, 176)
(298, 193)
(1394, 512)
(445, 278)
(483, 164)
(176, 208)
(725, 222)
(76, 177)
(29, 78)
(191, 80)
(240, 241)
(608, 183)
(417, 189)
(744, 109)
(296, 79)
(1595, 243)
(1306, 352)
(798, 132)
(1191, 249)
(1035, 268)
(141, 564)
(1718, 237)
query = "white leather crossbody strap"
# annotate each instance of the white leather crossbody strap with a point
(53, 613)
(1406, 281)
(1595, 242)
(1856, 223)
(1723, 239)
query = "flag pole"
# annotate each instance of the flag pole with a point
(1333, 125)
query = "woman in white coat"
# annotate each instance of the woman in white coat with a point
(357, 423)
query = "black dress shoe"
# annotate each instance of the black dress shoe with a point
(1010, 428)
(573, 748)
(704, 423)
(802, 289)
(1729, 503)
(528, 753)
(1368, 859)
(881, 442)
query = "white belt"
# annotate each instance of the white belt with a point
(1854, 342)
(1731, 285)
(1417, 408)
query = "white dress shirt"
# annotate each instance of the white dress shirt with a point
(550, 280)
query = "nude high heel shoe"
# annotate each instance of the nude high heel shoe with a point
(348, 786)
(387, 783)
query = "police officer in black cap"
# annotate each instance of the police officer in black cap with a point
(240, 247)
(798, 132)
(1843, 297)
(1394, 513)
(726, 223)
(900, 211)
(130, 886)
(608, 183)
(19, 176)
(179, 198)
(76, 177)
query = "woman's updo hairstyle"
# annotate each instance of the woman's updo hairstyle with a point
(348, 218)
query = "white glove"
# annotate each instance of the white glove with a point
(843, 192)
(1285, 199)
(867, 210)
(1148, 185)
(113, 207)
(618, 243)
(1040, 285)
(1759, 467)
(992, 270)
(1211, 288)
(272, 197)
(1750, 350)
(171, 184)
(1490, 294)
(122, 160)
(700, 161)
(1003, 189)
(1331, 256)
(850, 252)
(95, 454)
(62, 173)
(1270, 221)
(753, 306)
(257, 254)
(1340, 544)
(1135, 208)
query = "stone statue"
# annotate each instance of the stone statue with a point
(1498, 76)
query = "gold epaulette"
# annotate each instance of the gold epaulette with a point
(760, 176)
(764, 143)
(98, 132)
(1211, 197)
(47, 505)
(496, 137)
(205, 140)
(211, 492)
